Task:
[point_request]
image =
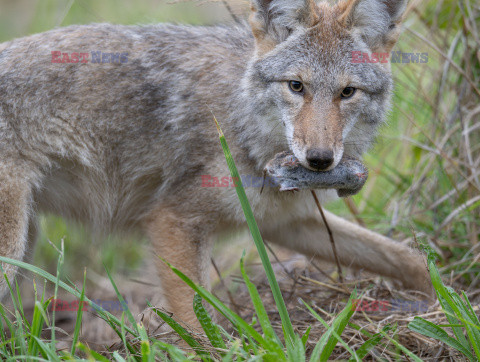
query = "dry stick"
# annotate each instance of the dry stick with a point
(320, 270)
(295, 280)
(229, 9)
(278, 260)
(455, 65)
(224, 286)
(330, 235)
(353, 210)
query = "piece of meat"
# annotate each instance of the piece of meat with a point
(286, 172)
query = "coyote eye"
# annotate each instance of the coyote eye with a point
(296, 86)
(348, 92)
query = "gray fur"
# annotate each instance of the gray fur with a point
(109, 145)
(374, 20)
(286, 172)
(282, 17)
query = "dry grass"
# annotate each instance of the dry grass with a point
(300, 280)
(431, 176)
(427, 165)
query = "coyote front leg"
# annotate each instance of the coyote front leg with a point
(357, 247)
(180, 242)
(15, 199)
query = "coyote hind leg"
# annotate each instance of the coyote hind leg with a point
(357, 247)
(15, 200)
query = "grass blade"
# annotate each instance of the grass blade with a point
(92, 354)
(182, 332)
(305, 336)
(61, 256)
(234, 318)
(328, 341)
(269, 332)
(122, 301)
(456, 312)
(78, 322)
(36, 270)
(446, 302)
(39, 316)
(148, 354)
(431, 330)
(211, 329)
(370, 343)
(48, 351)
(176, 354)
(401, 347)
(296, 350)
(257, 238)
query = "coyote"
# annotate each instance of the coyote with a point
(122, 146)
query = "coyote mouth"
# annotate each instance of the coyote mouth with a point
(285, 171)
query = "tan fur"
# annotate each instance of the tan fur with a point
(177, 241)
(346, 9)
(14, 198)
(331, 127)
(264, 43)
(265, 38)
(357, 247)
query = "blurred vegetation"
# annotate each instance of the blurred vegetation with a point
(424, 169)
(22, 17)
(424, 177)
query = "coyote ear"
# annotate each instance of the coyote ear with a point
(273, 21)
(377, 22)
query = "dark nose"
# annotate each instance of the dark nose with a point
(320, 159)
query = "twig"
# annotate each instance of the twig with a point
(353, 210)
(455, 65)
(326, 285)
(321, 271)
(330, 235)
(278, 260)
(263, 183)
(224, 286)
(229, 9)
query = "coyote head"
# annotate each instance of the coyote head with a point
(304, 78)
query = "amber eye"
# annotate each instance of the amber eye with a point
(348, 92)
(296, 86)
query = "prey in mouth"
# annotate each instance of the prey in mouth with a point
(286, 171)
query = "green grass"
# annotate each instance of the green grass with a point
(413, 170)
(22, 17)
(460, 315)
(22, 339)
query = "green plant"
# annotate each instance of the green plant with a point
(460, 315)
(248, 344)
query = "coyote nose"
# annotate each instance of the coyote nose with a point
(320, 159)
